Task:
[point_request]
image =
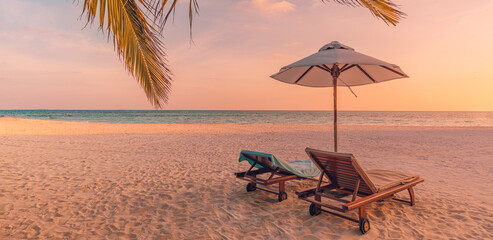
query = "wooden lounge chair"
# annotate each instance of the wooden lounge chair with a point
(272, 171)
(352, 187)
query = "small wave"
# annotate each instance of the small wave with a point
(261, 117)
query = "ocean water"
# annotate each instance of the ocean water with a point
(261, 117)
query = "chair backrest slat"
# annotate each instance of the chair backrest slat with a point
(342, 169)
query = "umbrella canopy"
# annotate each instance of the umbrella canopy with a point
(338, 65)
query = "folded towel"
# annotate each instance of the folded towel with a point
(302, 168)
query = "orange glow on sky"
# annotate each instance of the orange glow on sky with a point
(50, 61)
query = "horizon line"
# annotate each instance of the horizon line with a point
(245, 110)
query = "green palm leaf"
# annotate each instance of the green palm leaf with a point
(136, 42)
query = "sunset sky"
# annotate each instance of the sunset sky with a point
(50, 61)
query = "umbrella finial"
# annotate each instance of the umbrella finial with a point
(335, 45)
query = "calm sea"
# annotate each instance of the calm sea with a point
(261, 117)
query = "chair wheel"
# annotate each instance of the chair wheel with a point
(315, 209)
(364, 225)
(282, 196)
(251, 187)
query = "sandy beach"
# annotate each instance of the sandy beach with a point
(175, 181)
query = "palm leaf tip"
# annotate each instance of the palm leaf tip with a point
(163, 9)
(386, 10)
(137, 44)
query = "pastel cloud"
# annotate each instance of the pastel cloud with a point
(268, 7)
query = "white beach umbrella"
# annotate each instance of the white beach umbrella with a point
(338, 65)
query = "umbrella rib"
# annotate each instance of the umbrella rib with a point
(302, 75)
(345, 65)
(347, 68)
(328, 70)
(368, 75)
(394, 71)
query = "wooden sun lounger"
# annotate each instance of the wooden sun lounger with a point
(352, 187)
(275, 175)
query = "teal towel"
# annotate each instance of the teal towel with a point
(302, 168)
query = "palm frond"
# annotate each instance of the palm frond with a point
(162, 10)
(136, 42)
(384, 9)
(135, 35)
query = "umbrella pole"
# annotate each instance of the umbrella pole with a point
(335, 72)
(335, 113)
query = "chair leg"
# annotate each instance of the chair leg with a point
(281, 187)
(282, 192)
(411, 196)
(364, 223)
(361, 212)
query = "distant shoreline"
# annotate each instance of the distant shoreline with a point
(19, 126)
(363, 118)
(234, 110)
(34, 120)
